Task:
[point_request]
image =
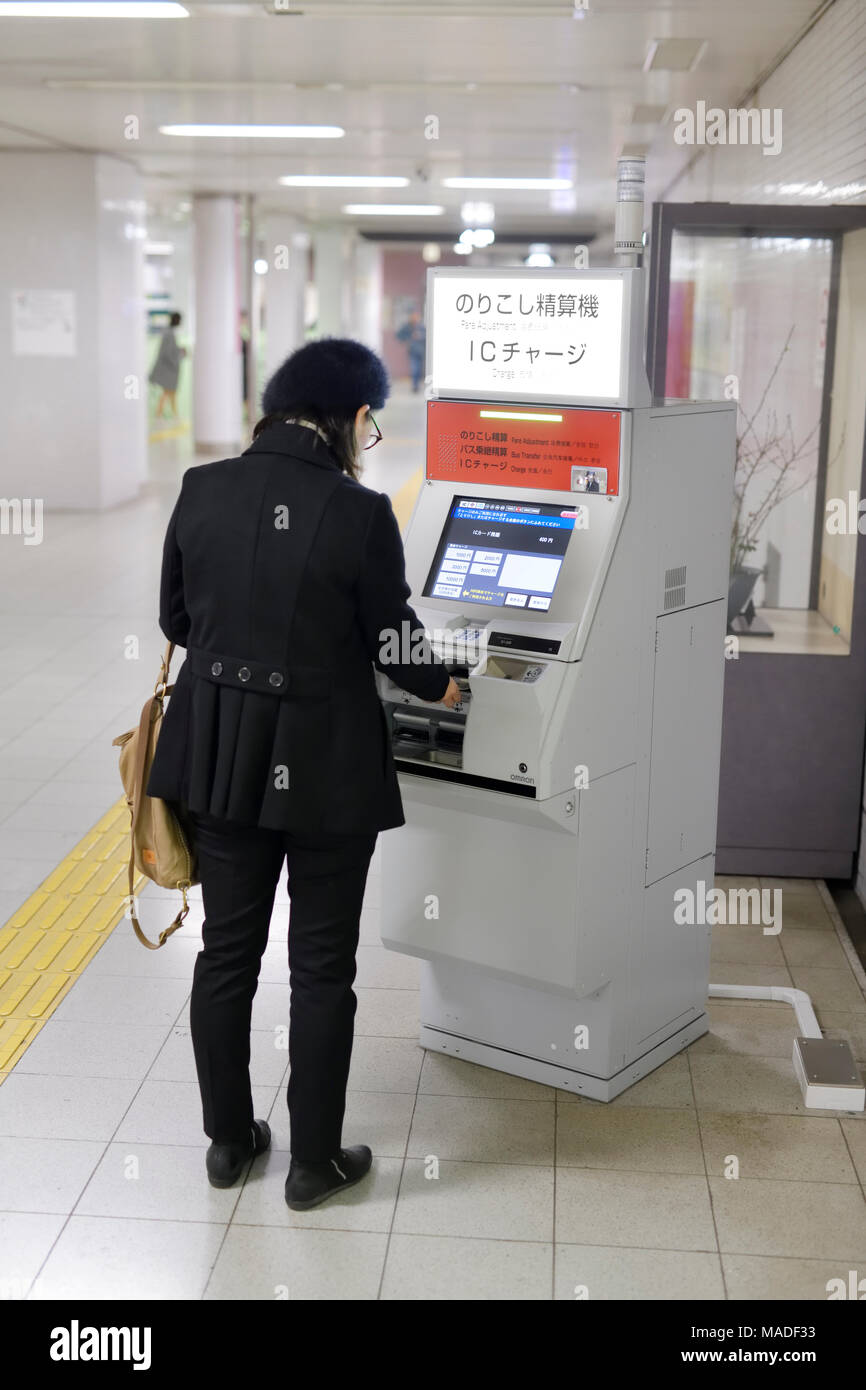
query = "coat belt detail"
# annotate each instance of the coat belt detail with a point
(267, 678)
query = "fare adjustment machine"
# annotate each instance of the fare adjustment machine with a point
(568, 555)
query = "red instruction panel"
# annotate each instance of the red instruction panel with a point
(560, 449)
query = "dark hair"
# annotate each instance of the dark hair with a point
(339, 430)
(174, 320)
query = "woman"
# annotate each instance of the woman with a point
(166, 368)
(281, 577)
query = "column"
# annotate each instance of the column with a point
(285, 245)
(332, 273)
(368, 287)
(216, 355)
(73, 428)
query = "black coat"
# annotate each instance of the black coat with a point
(280, 573)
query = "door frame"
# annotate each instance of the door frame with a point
(776, 753)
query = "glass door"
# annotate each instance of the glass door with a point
(745, 304)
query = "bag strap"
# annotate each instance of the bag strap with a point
(165, 662)
(161, 689)
(164, 935)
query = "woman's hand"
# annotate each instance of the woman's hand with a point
(453, 695)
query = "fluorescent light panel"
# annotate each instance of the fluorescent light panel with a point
(257, 132)
(344, 181)
(93, 9)
(394, 209)
(506, 183)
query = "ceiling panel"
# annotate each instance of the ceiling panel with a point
(516, 88)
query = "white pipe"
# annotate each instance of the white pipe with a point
(797, 998)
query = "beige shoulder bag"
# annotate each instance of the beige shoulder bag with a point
(158, 845)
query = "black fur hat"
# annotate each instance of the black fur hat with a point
(335, 375)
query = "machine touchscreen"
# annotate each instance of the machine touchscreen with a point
(505, 554)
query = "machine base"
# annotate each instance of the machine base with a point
(563, 1078)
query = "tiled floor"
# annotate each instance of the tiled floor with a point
(484, 1186)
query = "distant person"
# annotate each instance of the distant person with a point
(166, 368)
(414, 335)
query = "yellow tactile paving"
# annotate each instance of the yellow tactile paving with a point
(49, 940)
(404, 499)
(173, 432)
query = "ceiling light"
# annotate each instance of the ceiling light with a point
(93, 9)
(674, 55)
(506, 183)
(477, 214)
(258, 132)
(462, 248)
(477, 236)
(158, 248)
(343, 181)
(394, 209)
(260, 266)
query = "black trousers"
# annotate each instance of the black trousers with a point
(240, 868)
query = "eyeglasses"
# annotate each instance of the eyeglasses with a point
(372, 442)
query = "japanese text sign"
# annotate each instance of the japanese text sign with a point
(529, 336)
(554, 450)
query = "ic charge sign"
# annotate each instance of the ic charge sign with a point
(538, 336)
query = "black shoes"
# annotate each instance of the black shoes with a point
(309, 1184)
(226, 1162)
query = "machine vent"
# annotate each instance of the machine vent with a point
(675, 587)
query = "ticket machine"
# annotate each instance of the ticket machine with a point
(568, 555)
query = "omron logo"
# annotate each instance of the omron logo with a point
(75, 1343)
(516, 777)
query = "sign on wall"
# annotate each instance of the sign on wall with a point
(43, 323)
(527, 335)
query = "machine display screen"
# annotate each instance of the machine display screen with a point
(505, 554)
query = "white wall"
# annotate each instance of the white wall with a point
(819, 88)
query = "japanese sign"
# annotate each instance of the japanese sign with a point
(527, 335)
(559, 450)
(43, 323)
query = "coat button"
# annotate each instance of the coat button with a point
(275, 678)
(216, 669)
(244, 673)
